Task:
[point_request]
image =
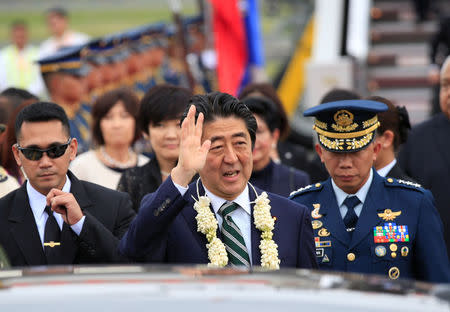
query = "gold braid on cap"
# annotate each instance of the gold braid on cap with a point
(47, 68)
(349, 135)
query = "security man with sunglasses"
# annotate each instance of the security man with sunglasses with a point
(54, 218)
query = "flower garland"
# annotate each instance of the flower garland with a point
(217, 254)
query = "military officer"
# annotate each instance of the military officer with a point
(362, 222)
(64, 75)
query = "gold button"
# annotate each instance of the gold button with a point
(390, 180)
(393, 254)
(393, 247)
(317, 184)
(351, 256)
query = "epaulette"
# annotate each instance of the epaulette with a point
(403, 183)
(3, 175)
(308, 188)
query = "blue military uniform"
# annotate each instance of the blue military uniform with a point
(398, 232)
(68, 61)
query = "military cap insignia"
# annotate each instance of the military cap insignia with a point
(344, 121)
(315, 213)
(346, 126)
(389, 215)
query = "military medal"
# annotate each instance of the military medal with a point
(380, 251)
(325, 259)
(315, 213)
(388, 215)
(390, 233)
(316, 224)
(404, 251)
(394, 273)
(320, 244)
(324, 232)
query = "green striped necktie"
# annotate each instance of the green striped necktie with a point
(232, 237)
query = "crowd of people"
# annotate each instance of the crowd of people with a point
(126, 161)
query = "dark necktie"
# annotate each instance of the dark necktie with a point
(232, 237)
(52, 239)
(350, 218)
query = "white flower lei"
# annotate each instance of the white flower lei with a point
(217, 254)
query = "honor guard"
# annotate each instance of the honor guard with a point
(363, 222)
(64, 75)
(95, 80)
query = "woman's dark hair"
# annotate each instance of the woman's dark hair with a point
(103, 105)
(162, 102)
(222, 105)
(268, 91)
(264, 108)
(395, 119)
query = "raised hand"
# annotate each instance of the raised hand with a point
(65, 204)
(193, 153)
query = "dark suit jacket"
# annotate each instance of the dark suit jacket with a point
(426, 158)
(279, 179)
(426, 256)
(398, 173)
(108, 215)
(140, 181)
(165, 230)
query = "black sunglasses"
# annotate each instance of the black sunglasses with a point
(55, 151)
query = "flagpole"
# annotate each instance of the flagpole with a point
(175, 7)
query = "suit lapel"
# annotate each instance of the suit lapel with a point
(255, 233)
(24, 229)
(189, 215)
(331, 216)
(375, 202)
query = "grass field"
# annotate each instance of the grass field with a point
(95, 22)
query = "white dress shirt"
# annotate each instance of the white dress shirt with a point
(38, 203)
(385, 170)
(361, 194)
(241, 216)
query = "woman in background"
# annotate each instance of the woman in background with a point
(159, 118)
(267, 174)
(392, 132)
(114, 130)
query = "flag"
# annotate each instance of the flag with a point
(255, 60)
(230, 45)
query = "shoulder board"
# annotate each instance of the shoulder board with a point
(306, 189)
(403, 183)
